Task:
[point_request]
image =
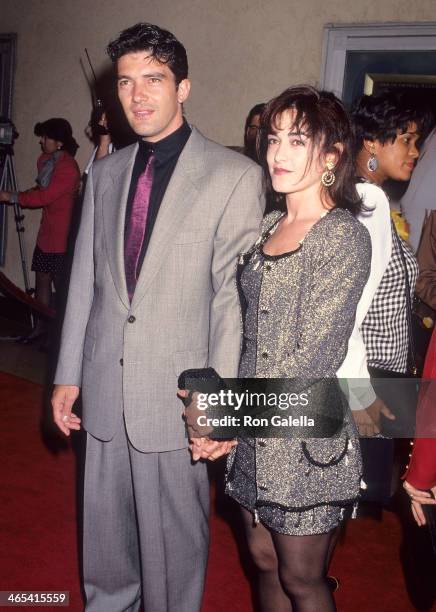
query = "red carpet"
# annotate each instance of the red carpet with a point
(38, 529)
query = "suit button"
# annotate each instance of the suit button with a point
(264, 311)
(264, 355)
(121, 361)
(267, 267)
(131, 319)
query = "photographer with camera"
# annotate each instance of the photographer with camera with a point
(57, 185)
(98, 132)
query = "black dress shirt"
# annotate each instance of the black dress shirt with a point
(166, 152)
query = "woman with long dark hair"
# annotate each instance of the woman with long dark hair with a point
(300, 285)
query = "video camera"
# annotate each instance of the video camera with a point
(8, 133)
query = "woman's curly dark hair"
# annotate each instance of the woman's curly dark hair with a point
(160, 44)
(322, 116)
(58, 128)
(383, 117)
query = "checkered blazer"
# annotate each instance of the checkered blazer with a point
(385, 327)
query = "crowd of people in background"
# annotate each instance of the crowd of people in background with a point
(337, 283)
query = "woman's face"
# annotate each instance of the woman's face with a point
(251, 133)
(289, 157)
(48, 145)
(396, 160)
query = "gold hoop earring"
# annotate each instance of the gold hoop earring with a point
(328, 177)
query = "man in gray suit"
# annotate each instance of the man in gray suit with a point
(152, 293)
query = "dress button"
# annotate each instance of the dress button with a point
(121, 361)
(131, 319)
(265, 355)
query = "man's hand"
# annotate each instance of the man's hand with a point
(191, 415)
(417, 498)
(368, 419)
(62, 401)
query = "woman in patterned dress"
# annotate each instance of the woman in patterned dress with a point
(300, 285)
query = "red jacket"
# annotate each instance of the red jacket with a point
(421, 471)
(56, 201)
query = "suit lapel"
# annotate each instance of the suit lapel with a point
(114, 212)
(177, 201)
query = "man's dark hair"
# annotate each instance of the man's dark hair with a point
(383, 117)
(323, 118)
(160, 44)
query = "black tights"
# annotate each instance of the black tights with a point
(43, 294)
(291, 569)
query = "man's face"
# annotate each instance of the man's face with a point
(149, 96)
(252, 129)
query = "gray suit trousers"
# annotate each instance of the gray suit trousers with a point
(145, 528)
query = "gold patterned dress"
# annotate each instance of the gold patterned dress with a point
(298, 313)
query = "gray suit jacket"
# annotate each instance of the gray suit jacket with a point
(185, 310)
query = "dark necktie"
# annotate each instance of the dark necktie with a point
(136, 226)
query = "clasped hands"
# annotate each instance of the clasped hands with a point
(200, 445)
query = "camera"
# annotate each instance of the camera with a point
(96, 115)
(8, 133)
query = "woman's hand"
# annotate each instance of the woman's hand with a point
(205, 448)
(5, 196)
(368, 419)
(364, 423)
(418, 497)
